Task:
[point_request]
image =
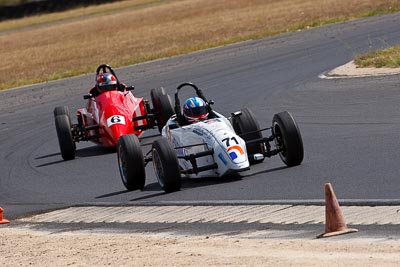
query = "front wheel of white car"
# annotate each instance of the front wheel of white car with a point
(166, 166)
(288, 138)
(131, 162)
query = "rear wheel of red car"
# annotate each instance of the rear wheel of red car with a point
(155, 93)
(64, 134)
(288, 138)
(163, 108)
(248, 128)
(62, 110)
(131, 162)
(166, 165)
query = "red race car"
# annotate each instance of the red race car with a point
(112, 111)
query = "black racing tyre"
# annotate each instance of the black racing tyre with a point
(288, 137)
(155, 93)
(62, 110)
(131, 162)
(64, 134)
(248, 128)
(166, 166)
(163, 108)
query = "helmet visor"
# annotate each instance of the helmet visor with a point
(196, 111)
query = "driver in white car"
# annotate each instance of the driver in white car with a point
(195, 109)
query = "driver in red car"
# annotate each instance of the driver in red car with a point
(106, 82)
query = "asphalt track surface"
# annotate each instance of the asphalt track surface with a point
(350, 127)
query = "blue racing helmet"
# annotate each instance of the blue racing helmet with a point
(195, 109)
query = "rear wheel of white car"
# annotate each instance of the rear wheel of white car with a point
(64, 134)
(162, 104)
(166, 165)
(131, 162)
(248, 128)
(288, 138)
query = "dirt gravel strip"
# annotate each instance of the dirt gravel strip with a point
(23, 247)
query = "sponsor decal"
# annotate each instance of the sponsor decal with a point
(234, 150)
(115, 119)
(197, 132)
(233, 155)
(202, 133)
(174, 141)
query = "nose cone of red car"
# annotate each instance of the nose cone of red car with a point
(118, 124)
(115, 119)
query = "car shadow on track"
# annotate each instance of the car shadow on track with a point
(113, 194)
(188, 183)
(92, 151)
(264, 171)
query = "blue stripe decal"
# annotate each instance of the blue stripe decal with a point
(221, 157)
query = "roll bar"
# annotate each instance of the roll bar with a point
(199, 93)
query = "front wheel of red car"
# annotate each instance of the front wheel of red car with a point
(166, 166)
(131, 162)
(64, 134)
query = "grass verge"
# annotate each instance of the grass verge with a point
(66, 44)
(388, 58)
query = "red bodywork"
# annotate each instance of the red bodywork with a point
(109, 115)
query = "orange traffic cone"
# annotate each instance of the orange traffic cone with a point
(334, 221)
(2, 221)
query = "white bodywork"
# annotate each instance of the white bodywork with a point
(213, 134)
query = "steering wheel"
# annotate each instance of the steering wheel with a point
(103, 68)
(199, 93)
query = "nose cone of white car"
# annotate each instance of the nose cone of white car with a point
(236, 154)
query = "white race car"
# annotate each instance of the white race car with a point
(214, 147)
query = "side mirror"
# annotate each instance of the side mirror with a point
(87, 96)
(130, 88)
(236, 113)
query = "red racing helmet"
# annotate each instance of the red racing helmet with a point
(106, 82)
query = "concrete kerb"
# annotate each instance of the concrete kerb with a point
(350, 70)
(377, 212)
